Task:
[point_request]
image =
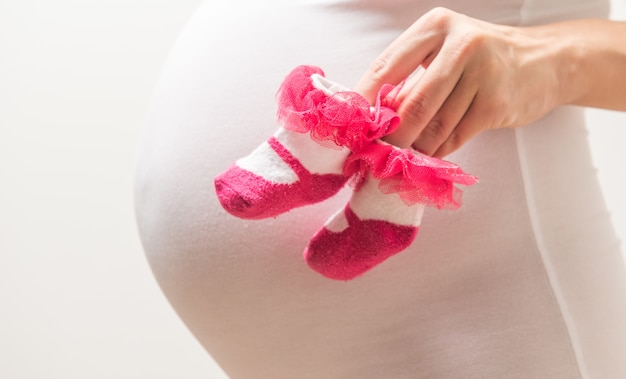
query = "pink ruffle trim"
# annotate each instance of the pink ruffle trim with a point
(344, 118)
(415, 177)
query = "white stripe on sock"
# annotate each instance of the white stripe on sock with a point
(264, 161)
(316, 158)
(337, 223)
(369, 203)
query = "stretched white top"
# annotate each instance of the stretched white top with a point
(524, 281)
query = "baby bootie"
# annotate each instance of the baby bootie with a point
(383, 215)
(302, 163)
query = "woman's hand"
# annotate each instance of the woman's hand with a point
(476, 76)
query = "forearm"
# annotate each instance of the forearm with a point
(590, 61)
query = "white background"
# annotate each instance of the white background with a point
(77, 299)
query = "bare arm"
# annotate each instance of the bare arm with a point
(597, 50)
(482, 76)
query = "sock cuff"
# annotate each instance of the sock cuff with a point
(415, 177)
(308, 102)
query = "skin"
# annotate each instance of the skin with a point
(473, 75)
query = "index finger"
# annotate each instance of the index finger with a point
(403, 56)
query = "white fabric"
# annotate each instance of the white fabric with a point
(328, 86)
(266, 163)
(525, 281)
(317, 158)
(368, 204)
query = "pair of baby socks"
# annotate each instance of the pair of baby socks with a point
(330, 134)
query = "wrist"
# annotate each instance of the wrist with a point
(565, 58)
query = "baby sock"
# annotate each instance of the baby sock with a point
(302, 163)
(383, 215)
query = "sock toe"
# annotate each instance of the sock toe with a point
(362, 246)
(231, 199)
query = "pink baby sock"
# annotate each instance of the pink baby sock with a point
(302, 163)
(383, 215)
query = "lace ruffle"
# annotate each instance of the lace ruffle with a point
(344, 118)
(415, 177)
